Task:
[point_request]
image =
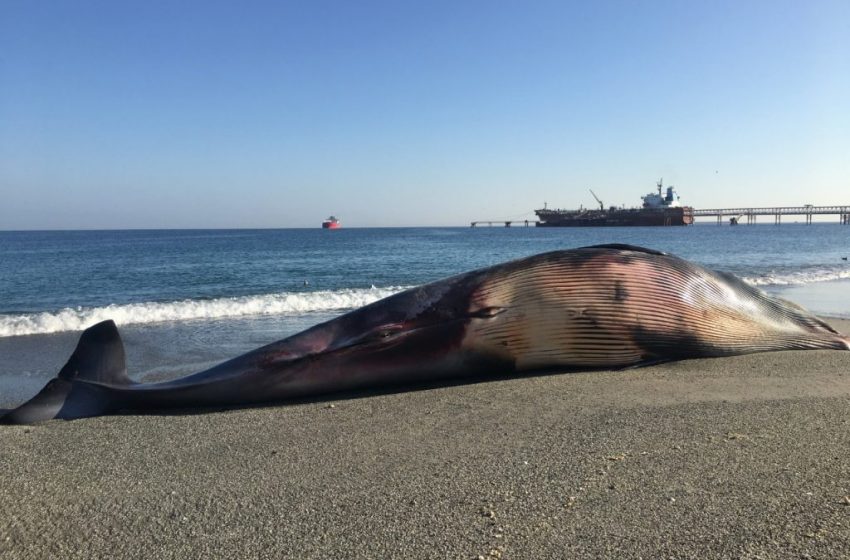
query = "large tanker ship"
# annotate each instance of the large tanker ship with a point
(658, 209)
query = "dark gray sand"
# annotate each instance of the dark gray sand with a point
(742, 457)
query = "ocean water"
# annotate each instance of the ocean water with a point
(185, 299)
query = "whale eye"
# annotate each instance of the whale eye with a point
(487, 312)
(384, 332)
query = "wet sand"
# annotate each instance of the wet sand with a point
(741, 457)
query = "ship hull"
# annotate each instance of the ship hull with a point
(681, 216)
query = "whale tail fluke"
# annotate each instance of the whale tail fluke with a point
(81, 388)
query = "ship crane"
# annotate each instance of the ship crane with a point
(601, 206)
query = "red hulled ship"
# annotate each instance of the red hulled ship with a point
(331, 223)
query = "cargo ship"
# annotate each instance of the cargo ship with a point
(659, 209)
(331, 223)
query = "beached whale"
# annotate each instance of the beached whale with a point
(606, 306)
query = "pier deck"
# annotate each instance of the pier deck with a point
(843, 213)
(507, 223)
(735, 214)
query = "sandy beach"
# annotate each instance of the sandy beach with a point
(741, 457)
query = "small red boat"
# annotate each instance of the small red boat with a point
(331, 223)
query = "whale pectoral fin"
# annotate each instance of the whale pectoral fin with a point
(79, 389)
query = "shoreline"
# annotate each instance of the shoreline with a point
(708, 458)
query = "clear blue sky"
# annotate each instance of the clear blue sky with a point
(276, 114)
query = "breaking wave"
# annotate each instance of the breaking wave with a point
(797, 277)
(287, 303)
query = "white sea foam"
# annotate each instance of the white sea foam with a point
(72, 319)
(287, 303)
(798, 277)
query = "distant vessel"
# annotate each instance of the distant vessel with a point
(658, 210)
(331, 223)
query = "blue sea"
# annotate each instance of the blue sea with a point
(187, 299)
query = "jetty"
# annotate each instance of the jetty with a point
(506, 223)
(735, 215)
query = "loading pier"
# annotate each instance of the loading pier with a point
(506, 223)
(665, 210)
(737, 215)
